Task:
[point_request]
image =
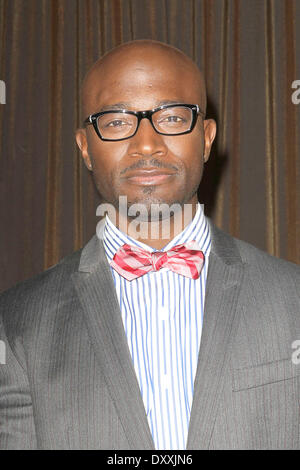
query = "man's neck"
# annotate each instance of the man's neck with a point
(158, 233)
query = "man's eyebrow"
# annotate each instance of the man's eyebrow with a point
(128, 106)
(166, 102)
(114, 106)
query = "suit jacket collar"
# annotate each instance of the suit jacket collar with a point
(95, 288)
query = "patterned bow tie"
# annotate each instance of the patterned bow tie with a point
(132, 261)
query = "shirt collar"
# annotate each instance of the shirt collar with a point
(198, 230)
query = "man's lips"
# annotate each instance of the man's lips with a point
(149, 176)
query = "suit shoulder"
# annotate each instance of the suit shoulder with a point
(260, 264)
(253, 255)
(21, 298)
(270, 272)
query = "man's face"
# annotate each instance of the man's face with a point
(174, 164)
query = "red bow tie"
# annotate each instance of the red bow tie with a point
(132, 261)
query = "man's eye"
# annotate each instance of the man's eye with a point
(176, 119)
(116, 123)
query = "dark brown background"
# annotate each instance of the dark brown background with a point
(250, 52)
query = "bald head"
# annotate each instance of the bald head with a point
(152, 60)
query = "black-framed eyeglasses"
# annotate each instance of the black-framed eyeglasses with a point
(121, 124)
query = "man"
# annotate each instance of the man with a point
(139, 341)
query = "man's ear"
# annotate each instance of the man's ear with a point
(82, 144)
(210, 130)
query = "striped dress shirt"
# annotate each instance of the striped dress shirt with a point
(162, 314)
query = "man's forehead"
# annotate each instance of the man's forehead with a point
(137, 68)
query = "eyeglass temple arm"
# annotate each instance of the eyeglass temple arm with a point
(88, 120)
(199, 111)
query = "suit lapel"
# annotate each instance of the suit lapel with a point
(223, 288)
(96, 291)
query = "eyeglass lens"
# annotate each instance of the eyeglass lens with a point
(173, 120)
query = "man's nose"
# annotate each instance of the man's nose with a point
(147, 142)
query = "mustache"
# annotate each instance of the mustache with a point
(150, 164)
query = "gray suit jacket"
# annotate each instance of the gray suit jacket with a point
(69, 382)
